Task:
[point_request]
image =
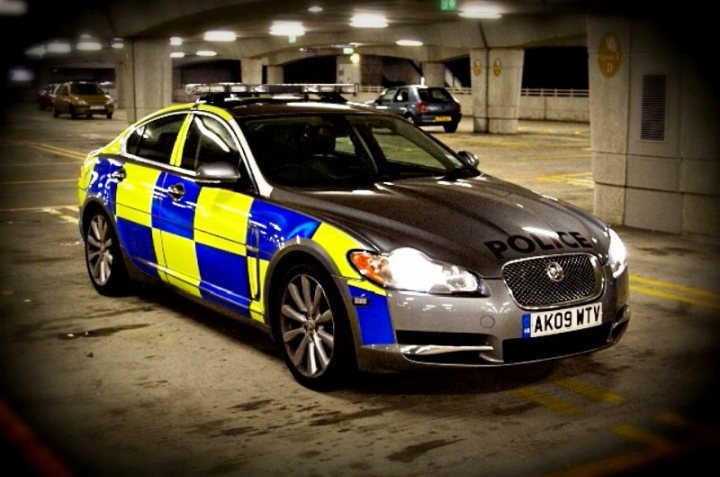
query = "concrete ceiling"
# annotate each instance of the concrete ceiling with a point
(251, 20)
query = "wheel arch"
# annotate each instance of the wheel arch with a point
(310, 252)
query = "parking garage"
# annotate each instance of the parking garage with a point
(151, 383)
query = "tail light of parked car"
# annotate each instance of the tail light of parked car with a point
(422, 107)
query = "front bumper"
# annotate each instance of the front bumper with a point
(432, 330)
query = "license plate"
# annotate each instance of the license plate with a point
(442, 119)
(552, 322)
(97, 108)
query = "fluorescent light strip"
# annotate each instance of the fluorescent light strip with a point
(219, 35)
(281, 28)
(369, 20)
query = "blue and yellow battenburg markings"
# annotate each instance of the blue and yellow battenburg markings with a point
(215, 243)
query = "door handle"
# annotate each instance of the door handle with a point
(176, 191)
(119, 174)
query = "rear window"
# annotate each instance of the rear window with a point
(435, 95)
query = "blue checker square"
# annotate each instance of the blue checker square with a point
(223, 273)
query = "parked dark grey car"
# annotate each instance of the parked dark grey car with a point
(422, 105)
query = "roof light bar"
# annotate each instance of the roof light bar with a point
(198, 89)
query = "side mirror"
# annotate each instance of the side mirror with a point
(218, 172)
(469, 159)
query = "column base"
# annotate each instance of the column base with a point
(503, 126)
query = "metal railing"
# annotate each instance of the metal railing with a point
(555, 92)
(544, 92)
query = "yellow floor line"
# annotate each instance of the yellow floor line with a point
(41, 208)
(674, 297)
(589, 391)
(675, 286)
(639, 435)
(59, 151)
(43, 181)
(547, 400)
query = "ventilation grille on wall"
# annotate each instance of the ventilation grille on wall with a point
(652, 126)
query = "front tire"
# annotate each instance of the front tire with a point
(56, 113)
(73, 114)
(103, 257)
(312, 329)
(109, 115)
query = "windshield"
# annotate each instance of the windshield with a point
(335, 150)
(85, 88)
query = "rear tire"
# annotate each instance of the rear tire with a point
(109, 115)
(450, 128)
(73, 114)
(312, 329)
(103, 256)
(411, 119)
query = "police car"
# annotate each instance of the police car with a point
(356, 239)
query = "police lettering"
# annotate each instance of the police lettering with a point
(531, 243)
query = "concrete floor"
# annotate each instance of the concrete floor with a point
(154, 385)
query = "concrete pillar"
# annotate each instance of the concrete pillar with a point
(434, 74)
(347, 71)
(147, 74)
(251, 70)
(504, 84)
(478, 85)
(496, 80)
(275, 74)
(655, 133)
(120, 94)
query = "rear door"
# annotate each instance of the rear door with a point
(137, 179)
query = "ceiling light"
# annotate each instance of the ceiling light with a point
(369, 20)
(409, 43)
(58, 47)
(20, 74)
(348, 50)
(480, 11)
(280, 28)
(355, 58)
(86, 43)
(179, 54)
(206, 53)
(117, 43)
(315, 9)
(13, 7)
(176, 41)
(37, 51)
(219, 35)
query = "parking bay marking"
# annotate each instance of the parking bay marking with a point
(57, 150)
(64, 217)
(675, 292)
(659, 448)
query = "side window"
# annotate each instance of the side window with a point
(158, 138)
(388, 95)
(133, 141)
(63, 91)
(208, 140)
(402, 96)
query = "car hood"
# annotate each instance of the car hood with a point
(479, 223)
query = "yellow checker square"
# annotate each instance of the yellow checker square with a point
(135, 195)
(181, 261)
(257, 308)
(221, 219)
(337, 244)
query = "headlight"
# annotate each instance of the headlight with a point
(617, 254)
(109, 100)
(410, 269)
(80, 102)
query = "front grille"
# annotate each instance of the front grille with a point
(520, 350)
(530, 284)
